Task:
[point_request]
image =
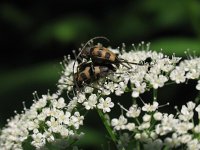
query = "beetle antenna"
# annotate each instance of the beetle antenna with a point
(69, 97)
(128, 67)
(125, 61)
(75, 56)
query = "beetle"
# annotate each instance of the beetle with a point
(88, 73)
(99, 62)
(101, 55)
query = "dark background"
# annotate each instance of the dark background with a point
(35, 35)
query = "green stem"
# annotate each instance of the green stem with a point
(155, 93)
(138, 145)
(166, 148)
(197, 99)
(152, 125)
(107, 126)
(134, 101)
(170, 83)
(138, 122)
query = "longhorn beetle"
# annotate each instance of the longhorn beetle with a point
(87, 73)
(100, 56)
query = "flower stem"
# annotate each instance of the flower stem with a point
(138, 145)
(155, 93)
(134, 101)
(197, 99)
(107, 126)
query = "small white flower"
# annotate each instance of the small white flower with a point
(191, 105)
(146, 117)
(157, 116)
(53, 125)
(144, 136)
(72, 104)
(76, 120)
(193, 144)
(186, 138)
(64, 131)
(144, 125)
(80, 97)
(106, 104)
(60, 103)
(120, 89)
(137, 136)
(42, 116)
(41, 102)
(139, 88)
(153, 135)
(32, 114)
(198, 108)
(150, 108)
(53, 112)
(46, 111)
(105, 91)
(119, 124)
(158, 81)
(178, 75)
(49, 137)
(91, 102)
(174, 141)
(198, 85)
(64, 117)
(133, 111)
(186, 114)
(88, 89)
(198, 111)
(197, 129)
(111, 86)
(31, 125)
(119, 92)
(183, 127)
(167, 124)
(38, 140)
(130, 126)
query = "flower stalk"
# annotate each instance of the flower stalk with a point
(155, 94)
(107, 126)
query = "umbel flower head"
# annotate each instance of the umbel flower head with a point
(46, 121)
(51, 118)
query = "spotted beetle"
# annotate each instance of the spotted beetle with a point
(88, 73)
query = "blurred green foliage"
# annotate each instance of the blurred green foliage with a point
(18, 85)
(36, 35)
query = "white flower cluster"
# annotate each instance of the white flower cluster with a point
(156, 70)
(66, 80)
(187, 69)
(45, 121)
(158, 130)
(141, 77)
(51, 118)
(14, 134)
(90, 101)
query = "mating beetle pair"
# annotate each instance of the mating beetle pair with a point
(100, 61)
